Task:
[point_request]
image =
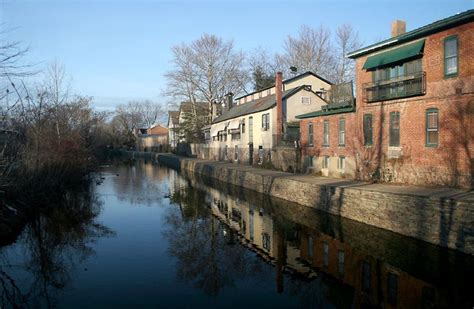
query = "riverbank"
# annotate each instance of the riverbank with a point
(32, 193)
(441, 216)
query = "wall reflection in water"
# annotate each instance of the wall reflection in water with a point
(336, 261)
(43, 260)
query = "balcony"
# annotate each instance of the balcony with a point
(401, 87)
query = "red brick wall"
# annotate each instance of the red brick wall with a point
(451, 163)
(334, 149)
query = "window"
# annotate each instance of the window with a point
(432, 127)
(341, 163)
(310, 135)
(265, 122)
(340, 262)
(325, 254)
(451, 56)
(266, 241)
(368, 130)
(250, 129)
(366, 276)
(306, 100)
(243, 125)
(342, 131)
(236, 153)
(325, 161)
(405, 69)
(396, 81)
(310, 246)
(326, 133)
(311, 161)
(394, 138)
(251, 225)
(392, 288)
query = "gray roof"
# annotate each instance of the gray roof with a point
(287, 81)
(254, 106)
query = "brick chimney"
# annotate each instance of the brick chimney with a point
(279, 104)
(398, 27)
(230, 100)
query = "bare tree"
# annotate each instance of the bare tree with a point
(310, 51)
(150, 113)
(11, 56)
(347, 40)
(206, 70)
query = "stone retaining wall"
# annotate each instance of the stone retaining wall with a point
(441, 221)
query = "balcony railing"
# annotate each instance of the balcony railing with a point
(401, 87)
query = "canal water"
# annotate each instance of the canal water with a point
(148, 236)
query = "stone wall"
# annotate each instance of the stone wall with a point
(447, 222)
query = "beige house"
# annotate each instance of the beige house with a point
(248, 131)
(153, 139)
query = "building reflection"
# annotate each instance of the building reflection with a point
(372, 267)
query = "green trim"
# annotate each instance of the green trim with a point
(447, 39)
(428, 111)
(326, 133)
(326, 113)
(339, 132)
(391, 129)
(395, 55)
(371, 143)
(435, 27)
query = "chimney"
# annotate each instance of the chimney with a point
(230, 99)
(398, 27)
(279, 104)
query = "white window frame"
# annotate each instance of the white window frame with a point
(341, 163)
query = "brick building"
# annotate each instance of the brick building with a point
(327, 135)
(414, 119)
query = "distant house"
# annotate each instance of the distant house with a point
(173, 124)
(248, 130)
(153, 139)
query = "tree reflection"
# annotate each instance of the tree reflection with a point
(141, 182)
(204, 247)
(54, 243)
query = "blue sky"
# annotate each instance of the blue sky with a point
(119, 50)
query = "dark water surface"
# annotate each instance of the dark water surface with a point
(146, 236)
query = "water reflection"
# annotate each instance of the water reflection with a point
(187, 241)
(48, 251)
(337, 261)
(146, 183)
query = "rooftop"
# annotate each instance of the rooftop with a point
(254, 106)
(437, 26)
(288, 81)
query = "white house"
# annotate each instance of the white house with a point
(247, 131)
(173, 123)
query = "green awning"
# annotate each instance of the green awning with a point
(394, 55)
